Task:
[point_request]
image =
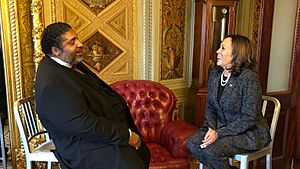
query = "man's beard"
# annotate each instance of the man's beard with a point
(77, 60)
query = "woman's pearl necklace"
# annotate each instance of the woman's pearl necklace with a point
(224, 82)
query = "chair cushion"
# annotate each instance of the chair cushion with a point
(162, 159)
(174, 137)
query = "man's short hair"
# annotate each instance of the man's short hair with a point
(52, 36)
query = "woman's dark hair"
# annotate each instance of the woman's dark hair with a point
(242, 54)
(52, 36)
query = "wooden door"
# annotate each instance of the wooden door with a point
(284, 142)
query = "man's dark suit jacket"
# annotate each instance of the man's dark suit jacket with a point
(86, 119)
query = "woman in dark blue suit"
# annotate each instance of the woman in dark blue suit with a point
(234, 122)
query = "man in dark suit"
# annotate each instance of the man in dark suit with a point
(89, 122)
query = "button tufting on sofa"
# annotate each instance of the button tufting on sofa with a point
(152, 106)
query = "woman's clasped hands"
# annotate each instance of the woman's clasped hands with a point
(210, 137)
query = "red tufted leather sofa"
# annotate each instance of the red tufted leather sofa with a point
(152, 106)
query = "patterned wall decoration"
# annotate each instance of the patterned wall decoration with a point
(118, 23)
(22, 17)
(172, 46)
(28, 65)
(19, 65)
(97, 5)
(112, 31)
(99, 52)
(26, 68)
(75, 19)
(107, 34)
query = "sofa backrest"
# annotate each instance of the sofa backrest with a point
(151, 105)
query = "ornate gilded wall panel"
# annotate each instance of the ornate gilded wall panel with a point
(172, 32)
(97, 5)
(26, 47)
(19, 64)
(113, 31)
(106, 29)
(100, 52)
(174, 55)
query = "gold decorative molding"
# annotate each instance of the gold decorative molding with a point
(53, 14)
(13, 72)
(37, 29)
(26, 46)
(123, 69)
(97, 5)
(21, 42)
(109, 36)
(147, 34)
(75, 19)
(27, 64)
(119, 22)
(19, 64)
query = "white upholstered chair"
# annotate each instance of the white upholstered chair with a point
(267, 151)
(32, 133)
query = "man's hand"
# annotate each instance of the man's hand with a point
(210, 137)
(134, 140)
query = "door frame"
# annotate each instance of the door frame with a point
(289, 148)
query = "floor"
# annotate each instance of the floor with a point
(7, 141)
(7, 144)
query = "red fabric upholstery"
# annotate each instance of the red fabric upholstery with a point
(152, 106)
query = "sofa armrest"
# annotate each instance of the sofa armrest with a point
(174, 135)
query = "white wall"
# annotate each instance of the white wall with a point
(281, 45)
